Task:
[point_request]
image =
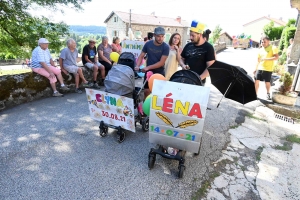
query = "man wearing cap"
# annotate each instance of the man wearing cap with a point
(42, 63)
(198, 54)
(157, 52)
(68, 63)
(89, 59)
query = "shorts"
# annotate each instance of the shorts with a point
(145, 78)
(91, 65)
(262, 75)
(71, 69)
(46, 74)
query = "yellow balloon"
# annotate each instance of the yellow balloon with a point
(114, 56)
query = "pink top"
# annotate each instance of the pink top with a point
(116, 46)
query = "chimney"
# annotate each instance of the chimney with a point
(280, 18)
(178, 19)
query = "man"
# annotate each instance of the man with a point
(42, 63)
(157, 52)
(89, 59)
(289, 50)
(264, 67)
(68, 63)
(198, 54)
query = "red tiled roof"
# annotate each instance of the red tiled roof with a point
(278, 21)
(147, 19)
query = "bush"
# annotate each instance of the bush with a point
(278, 69)
(287, 81)
(287, 33)
(282, 58)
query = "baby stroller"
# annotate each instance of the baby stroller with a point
(187, 77)
(120, 80)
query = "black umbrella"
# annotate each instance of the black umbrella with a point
(233, 82)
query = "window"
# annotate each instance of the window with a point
(115, 33)
(138, 34)
(115, 19)
(167, 37)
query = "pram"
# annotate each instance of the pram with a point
(187, 77)
(120, 80)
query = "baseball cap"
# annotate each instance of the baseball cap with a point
(43, 41)
(197, 27)
(159, 31)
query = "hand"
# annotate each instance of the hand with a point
(262, 59)
(136, 68)
(145, 69)
(51, 75)
(254, 72)
(65, 71)
(176, 48)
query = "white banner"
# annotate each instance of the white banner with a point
(177, 114)
(112, 109)
(134, 47)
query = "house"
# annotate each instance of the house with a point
(117, 24)
(225, 37)
(255, 27)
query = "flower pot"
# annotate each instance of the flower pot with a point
(283, 99)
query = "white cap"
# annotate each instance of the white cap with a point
(43, 41)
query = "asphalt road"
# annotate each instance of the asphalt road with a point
(51, 149)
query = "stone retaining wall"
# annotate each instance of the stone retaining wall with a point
(22, 88)
(220, 46)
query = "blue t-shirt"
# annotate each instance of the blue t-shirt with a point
(155, 53)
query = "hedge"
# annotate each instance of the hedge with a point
(287, 33)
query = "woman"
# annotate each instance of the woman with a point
(104, 50)
(171, 65)
(116, 47)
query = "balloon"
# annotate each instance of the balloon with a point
(153, 77)
(114, 56)
(141, 74)
(150, 95)
(146, 105)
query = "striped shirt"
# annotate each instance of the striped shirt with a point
(39, 55)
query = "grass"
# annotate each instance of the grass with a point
(214, 175)
(258, 153)
(254, 117)
(14, 71)
(285, 147)
(293, 138)
(234, 126)
(202, 191)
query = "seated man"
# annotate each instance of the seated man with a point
(68, 63)
(43, 64)
(89, 59)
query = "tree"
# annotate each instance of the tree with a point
(216, 33)
(274, 33)
(19, 31)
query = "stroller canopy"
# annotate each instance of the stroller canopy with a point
(127, 58)
(186, 76)
(120, 80)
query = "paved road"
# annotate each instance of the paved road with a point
(51, 149)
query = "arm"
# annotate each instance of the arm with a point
(274, 57)
(87, 59)
(156, 65)
(181, 63)
(206, 73)
(140, 60)
(62, 67)
(52, 63)
(258, 61)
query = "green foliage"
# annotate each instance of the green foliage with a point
(274, 33)
(293, 138)
(19, 31)
(82, 40)
(287, 81)
(279, 69)
(216, 34)
(282, 58)
(291, 22)
(287, 33)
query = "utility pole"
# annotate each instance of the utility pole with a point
(129, 18)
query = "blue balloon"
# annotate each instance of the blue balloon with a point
(141, 74)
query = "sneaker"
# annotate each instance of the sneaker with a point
(96, 86)
(101, 83)
(57, 94)
(268, 96)
(77, 90)
(64, 88)
(87, 84)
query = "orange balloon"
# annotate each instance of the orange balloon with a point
(153, 77)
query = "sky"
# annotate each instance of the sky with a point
(229, 14)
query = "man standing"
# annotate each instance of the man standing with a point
(89, 59)
(42, 63)
(198, 54)
(265, 64)
(157, 52)
(68, 63)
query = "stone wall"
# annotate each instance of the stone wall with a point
(22, 88)
(220, 46)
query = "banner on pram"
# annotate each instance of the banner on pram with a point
(177, 114)
(134, 47)
(112, 109)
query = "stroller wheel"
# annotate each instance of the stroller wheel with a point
(151, 160)
(145, 124)
(121, 136)
(181, 169)
(103, 129)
